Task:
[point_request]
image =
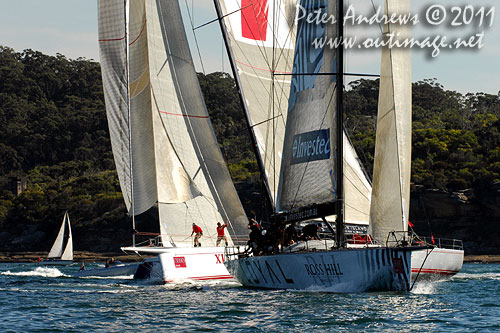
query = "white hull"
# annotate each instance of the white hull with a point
(185, 263)
(197, 263)
(436, 263)
(120, 270)
(350, 270)
(56, 262)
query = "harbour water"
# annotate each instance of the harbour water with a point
(34, 298)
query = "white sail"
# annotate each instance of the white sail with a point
(68, 250)
(56, 252)
(262, 36)
(391, 173)
(165, 132)
(307, 175)
(123, 106)
(357, 188)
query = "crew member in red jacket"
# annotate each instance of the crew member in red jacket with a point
(197, 234)
(220, 233)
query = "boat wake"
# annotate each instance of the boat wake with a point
(479, 276)
(425, 287)
(340, 288)
(200, 285)
(119, 277)
(50, 272)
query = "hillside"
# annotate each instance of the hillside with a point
(53, 132)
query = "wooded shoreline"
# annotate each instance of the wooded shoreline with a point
(84, 256)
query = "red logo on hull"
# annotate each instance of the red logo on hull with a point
(179, 262)
(254, 19)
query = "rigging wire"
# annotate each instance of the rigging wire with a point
(191, 15)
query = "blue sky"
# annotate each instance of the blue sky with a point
(69, 27)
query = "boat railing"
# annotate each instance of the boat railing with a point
(151, 242)
(444, 243)
(409, 238)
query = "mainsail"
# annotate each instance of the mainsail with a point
(164, 146)
(59, 250)
(391, 173)
(307, 175)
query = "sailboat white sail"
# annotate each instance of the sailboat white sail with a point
(392, 164)
(312, 175)
(163, 142)
(61, 252)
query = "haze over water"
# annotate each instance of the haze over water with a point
(38, 298)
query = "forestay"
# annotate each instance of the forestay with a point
(391, 174)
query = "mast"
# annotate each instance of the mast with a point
(230, 55)
(127, 73)
(340, 129)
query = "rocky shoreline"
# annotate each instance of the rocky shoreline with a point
(83, 256)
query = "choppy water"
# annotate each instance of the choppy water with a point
(34, 298)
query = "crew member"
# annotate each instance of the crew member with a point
(197, 234)
(254, 230)
(220, 233)
(310, 231)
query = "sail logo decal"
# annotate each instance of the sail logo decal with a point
(254, 15)
(261, 23)
(180, 262)
(311, 146)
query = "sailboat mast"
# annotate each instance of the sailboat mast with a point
(340, 129)
(127, 73)
(230, 55)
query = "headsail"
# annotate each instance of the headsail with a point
(262, 36)
(56, 252)
(391, 173)
(357, 187)
(175, 159)
(307, 175)
(68, 250)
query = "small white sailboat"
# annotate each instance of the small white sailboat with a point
(61, 252)
(166, 153)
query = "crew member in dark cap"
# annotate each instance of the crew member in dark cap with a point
(197, 234)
